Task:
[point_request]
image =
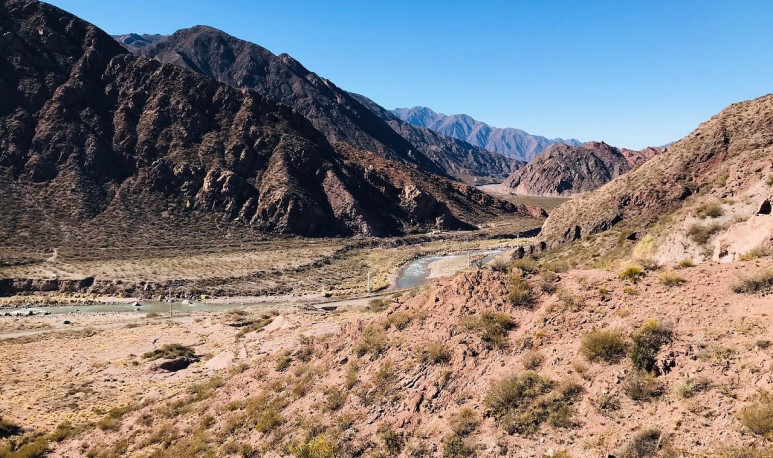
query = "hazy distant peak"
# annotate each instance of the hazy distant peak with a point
(510, 142)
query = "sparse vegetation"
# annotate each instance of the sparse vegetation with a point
(521, 403)
(500, 265)
(373, 341)
(519, 292)
(435, 352)
(671, 278)
(377, 305)
(686, 264)
(335, 398)
(759, 252)
(757, 415)
(455, 447)
(493, 327)
(632, 274)
(646, 343)
(526, 265)
(283, 361)
(532, 359)
(642, 386)
(399, 320)
(464, 422)
(693, 386)
(600, 345)
(644, 444)
(314, 447)
(170, 351)
(710, 210)
(761, 282)
(701, 234)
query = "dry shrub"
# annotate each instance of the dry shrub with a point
(314, 447)
(532, 360)
(644, 444)
(455, 447)
(632, 274)
(171, 351)
(493, 327)
(693, 386)
(600, 345)
(671, 278)
(373, 341)
(519, 292)
(712, 210)
(646, 343)
(757, 416)
(687, 263)
(701, 234)
(399, 320)
(761, 282)
(435, 352)
(526, 265)
(464, 422)
(642, 386)
(759, 252)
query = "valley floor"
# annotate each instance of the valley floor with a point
(420, 374)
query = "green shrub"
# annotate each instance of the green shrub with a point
(646, 343)
(455, 447)
(521, 403)
(761, 282)
(693, 386)
(493, 327)
(757, 416)
(519, 292)
(171, 351)
(701, 234)
(373, 341)
(600, 345)
(712, 210)
(632, 274)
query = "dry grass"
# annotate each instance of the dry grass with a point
(373, 341)
(519, 292)
(701, 234)
(646, 343)
(757, 416)
(492, 327)
(435, 352)
(600, 345)
(671, 278)
(710, 210)
(632, 274)
(761, 282)
(171, 351)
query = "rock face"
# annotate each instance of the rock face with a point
(340, 116)
(726, 157)
(99, 146)
(564, 170)
(510, 142)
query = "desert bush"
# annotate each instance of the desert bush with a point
(31, 446)
(455, 447)
(759, 252)
(547, 282)
(632, 274)
(642, 386)
(606, 403)
(351, 375)
(314, 447)
(712, 210)
(335, 397)
(200, 391)
(600, 345)
(701, 234)
(532, 359)
(500, 265)
(283, 361)
(373, 341)
(687, 263)
(464, 422)
(763, 343)
(493, 327)
(151, 315)
(644, 444)
(671, 278)
(757, 416)
(568, 301)
(761, 282)
(521, 403)
(8, 428)
(519, 292)
(693, 386)
(377, 305)
(526, 265)
(435, 352)
(646, 343)
(745, 452)
(170, 351)
(399, 320)
(63, 430)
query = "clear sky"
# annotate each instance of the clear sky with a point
(631, 73)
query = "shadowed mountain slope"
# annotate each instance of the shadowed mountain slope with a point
(340, 116)
(98, 146)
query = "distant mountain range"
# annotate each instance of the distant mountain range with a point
(510, 142)
(339, 115)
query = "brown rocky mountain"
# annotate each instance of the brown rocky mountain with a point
(339, 115)
(701, 198)
(564, 170)
(99, 146)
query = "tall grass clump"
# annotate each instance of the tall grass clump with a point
(646, 343)
(600, 345)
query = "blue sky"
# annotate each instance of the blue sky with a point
(631, 73)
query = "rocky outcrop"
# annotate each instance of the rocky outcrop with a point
(340, 116)
(510, 142)
(727, 156)
(98, 146)
(564, 170)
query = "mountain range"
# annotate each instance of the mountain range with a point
(99, 146)
(510, 142)
(339, 115)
